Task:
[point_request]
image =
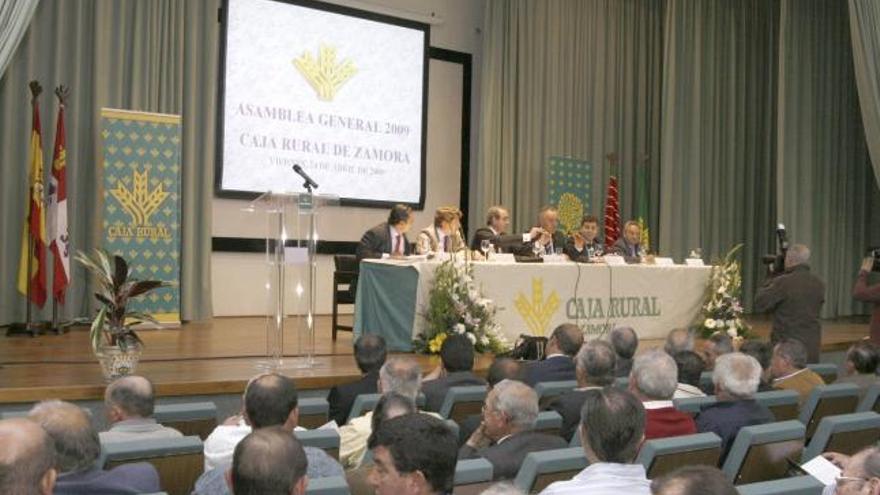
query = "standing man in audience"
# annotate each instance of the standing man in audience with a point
(612, 430)
(369, 354)
(653, 380)
(690, 368)
(625, 342)
(869, 294)
(129, 404)
(269, 461)
(860, 365)
(413, 455)
(594, 368)
(736, 378)
(629, 245)
(444, 235)
(27, 459)
(456, 370)
(388, 239)
(505, 437)
(583, 244)
(795, 298)
(563, 344)
(76, 454)
(789, 369)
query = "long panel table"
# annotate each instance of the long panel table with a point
(533, 298)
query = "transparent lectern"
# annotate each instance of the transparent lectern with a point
(291, 266)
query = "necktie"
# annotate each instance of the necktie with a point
(446, 244)
(398, 249)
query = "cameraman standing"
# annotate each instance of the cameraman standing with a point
(863, 292)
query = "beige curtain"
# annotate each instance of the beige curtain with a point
(565, 78)
(154, 56)
(15, 16)
(864, 19)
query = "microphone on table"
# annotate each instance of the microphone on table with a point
(310, 184)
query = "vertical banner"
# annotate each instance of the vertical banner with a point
(570, 188)
(142, 201)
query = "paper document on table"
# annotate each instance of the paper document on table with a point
(822, 469)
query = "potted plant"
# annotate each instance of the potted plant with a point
(114, 340)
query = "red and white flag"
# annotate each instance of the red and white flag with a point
(58, 234)
(612, 213)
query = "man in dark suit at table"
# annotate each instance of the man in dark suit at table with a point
(563, 344)
(456, 370)
(370, 354)
(495, 231)
(629, 246)
(551, 238)
(584, 244)
(388, 239)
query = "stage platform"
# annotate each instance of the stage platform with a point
(220, 355)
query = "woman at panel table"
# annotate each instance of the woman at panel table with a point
(444, 235)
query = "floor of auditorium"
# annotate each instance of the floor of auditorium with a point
(219, 355)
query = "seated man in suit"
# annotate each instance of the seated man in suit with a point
(563, 344)
(612, 428)
(583, 244)
(369, 354)
(505, 437)
(677, 340)
(413, 454)
(653, 380)
(717, 344)
(269, 460)
(789, 369)
(77, 450)
(736, 378)
(629, 245)
(27, 459)
(501, 369)
(129, 405)
(388, 239)
(455, 370)
(763, 353)
(625, 342)
(690, 367)
(860, 473)
(495, 231)
(550, 238)
(860, 365)
(444, 235)
(594, 367)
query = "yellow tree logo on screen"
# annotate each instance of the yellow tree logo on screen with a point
(538, 311)
(139, 201)
(325, 74)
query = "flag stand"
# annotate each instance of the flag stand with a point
(29, 327)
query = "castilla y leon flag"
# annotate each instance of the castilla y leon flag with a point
(33, 254)
(58, 212)
(642, 203)
(612, 212)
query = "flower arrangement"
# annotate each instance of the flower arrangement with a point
(722, 310)
(456, 306)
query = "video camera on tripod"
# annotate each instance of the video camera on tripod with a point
(874, 253)
(776, 262)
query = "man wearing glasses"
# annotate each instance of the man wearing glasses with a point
(860, 474)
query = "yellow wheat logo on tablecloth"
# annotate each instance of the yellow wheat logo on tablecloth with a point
(324, 74)
(537, 313)
(138, 201)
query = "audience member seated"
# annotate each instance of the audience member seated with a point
(455, 370)
(625, 342)
(27, 458)
(502, 488)
(501, 369)
(401, 375)
(594, 367)
(129, 404)
(679, 340)
(653, 380)
(505, 437)
(76, 451)
(736, 380)
(612, 430)
(762, 352)
(788, 368)
(369, 354)
(693, 480)
(690, 367)
(860, 365)
(860, 473)
(269, 461)
(270, 400)
(716, 345)
(563, 344)
(413, 454)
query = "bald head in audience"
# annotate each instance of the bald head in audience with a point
(129, 397)
(504, 369)
(269, 461)
(678, 340)
(401, 375)
(693, 480)
(565, 339)
(76, 441)
(27, 458)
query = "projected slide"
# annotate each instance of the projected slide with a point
(341, 95)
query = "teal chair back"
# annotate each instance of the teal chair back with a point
(844, 433)
(461, 402)
(189, 418)
(539, 469)
(472, 476)
(313, 412)
(828, 400)
(331, 485)
(326, 440)
(799, 485)
(871, 400)
(664, 455)
(179, 461)
(764, 452)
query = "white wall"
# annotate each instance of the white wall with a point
(238, 278)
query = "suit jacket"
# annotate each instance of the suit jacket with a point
(569, 405)
(625, 249)
(559, 241)
(134, 478)
(435, 390)
(803, 382)
(582, 256)
(377, 241)
(341, 397)
(507, 456)
(427, 241)
(726, 418)
(552, 369)
(869, 293)
(795, 299)
(622, 367)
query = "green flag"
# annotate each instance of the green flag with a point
(569, 187)
(642, 204)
